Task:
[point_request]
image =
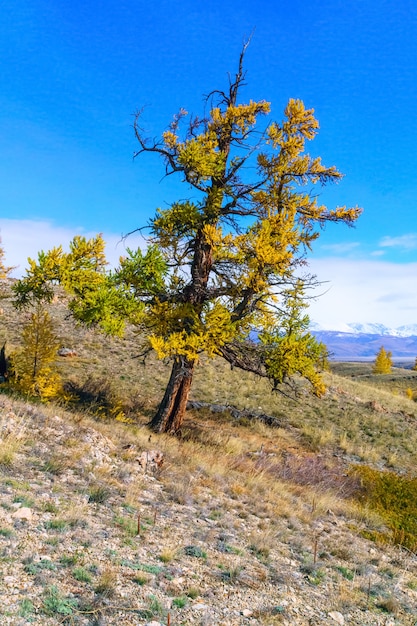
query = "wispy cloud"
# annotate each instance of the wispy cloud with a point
(340, 248)
(25, 238)
(406, 242)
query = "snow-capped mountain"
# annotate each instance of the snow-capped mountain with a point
(356, 340)
(370, 328)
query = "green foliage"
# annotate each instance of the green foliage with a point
(394, 497)
(26, 609)
(383, 362)
(33, 370)
(54, 602)
(291, 349)
(82, 575)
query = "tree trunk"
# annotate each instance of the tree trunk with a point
(171, 411)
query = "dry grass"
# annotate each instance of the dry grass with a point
(288, 485)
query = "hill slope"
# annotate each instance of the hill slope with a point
(241, 524)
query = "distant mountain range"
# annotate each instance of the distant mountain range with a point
(364, 340)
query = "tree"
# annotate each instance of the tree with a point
(383, 362)
(228, 260)
(415, 365)
(33, 370)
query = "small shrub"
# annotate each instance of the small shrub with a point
(195, 551)
(56, 524)
(55, 465)
(98, 494)
(167, 555)
(35, 568)
(32, 368)
(55, 602)
(67, 560)
(180, 602)
(140, 579)
(389, 605)
(394, 497)
(346, 572)
(129, 525)
(9, 446)
(23, 500)
(82, 575)
(26, 609)
(155, 607)
(107, 583)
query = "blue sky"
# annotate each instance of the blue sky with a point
(73, 74)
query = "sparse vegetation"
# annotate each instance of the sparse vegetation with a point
(259, 508)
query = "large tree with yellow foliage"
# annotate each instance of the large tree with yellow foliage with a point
(226, 261)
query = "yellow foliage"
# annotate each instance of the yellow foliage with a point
(383, 362)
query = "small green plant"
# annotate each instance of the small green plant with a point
(180, 602)
(313, 573)
(26, 609)
(230, 573)
(192, 592)
(82, 575)
(35, 568)
(155, 606)
(55, 465)
(50, 507)
(54, 602)
(98, 494)
(195, 551)
(23, 500)
(129, 525)
(56, 524)
(68, 560)
(6, 532)
(346, 572)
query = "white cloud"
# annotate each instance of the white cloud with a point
(406, 242)
(364, 291)
(25, 238)
(351, 290)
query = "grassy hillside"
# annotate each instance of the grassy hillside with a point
(243, 523)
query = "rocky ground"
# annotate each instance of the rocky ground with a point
(90, 534)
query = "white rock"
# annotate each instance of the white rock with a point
(337, 617)
(23, 513)
(247, 613)
(200, 606)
